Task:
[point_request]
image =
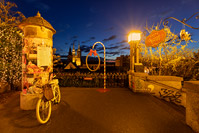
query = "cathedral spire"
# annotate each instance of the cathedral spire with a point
(73, 53)
(78, 58)
(73, 46)
(70, 53)
(78, 46)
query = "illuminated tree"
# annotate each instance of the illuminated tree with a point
(196, 67)
(56, 60)
(10, 55)
(171, 57)
(11, 39)
(8, 16)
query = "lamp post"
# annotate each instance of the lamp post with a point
(134, 39)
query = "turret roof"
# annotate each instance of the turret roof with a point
(37, 20)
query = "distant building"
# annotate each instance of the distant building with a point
(77, 62)
(118, 62)
(75, 57)
(122, 63)
(70, 66)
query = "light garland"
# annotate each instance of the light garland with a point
(10, 55)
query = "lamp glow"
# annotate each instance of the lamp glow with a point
(134, 36)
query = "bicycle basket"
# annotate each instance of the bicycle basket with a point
(48, 92)
(54, 81)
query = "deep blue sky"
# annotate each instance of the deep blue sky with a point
(109, 21)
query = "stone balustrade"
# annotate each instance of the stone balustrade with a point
(192, 104)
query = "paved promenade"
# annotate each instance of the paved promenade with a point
(84, 110)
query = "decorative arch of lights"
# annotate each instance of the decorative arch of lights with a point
(95, 53)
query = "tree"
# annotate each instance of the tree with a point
(57, 63)
(196, 66)
(8, 16)
(171, 57)
(11, 40)
(10, 55)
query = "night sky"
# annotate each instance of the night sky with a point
(108, 21)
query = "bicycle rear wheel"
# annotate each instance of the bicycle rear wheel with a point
(57, 94)
(43, 110)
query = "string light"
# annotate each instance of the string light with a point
(10, 54)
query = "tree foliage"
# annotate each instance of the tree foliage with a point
(11, 39)
(172, 57)
(57, 63)
(10, 54)
(9, 16)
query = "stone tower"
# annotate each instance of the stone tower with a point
(78, 58)
(37, 57)
(70, 55)
(73, 53)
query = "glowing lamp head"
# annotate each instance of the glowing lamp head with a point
(134, 36)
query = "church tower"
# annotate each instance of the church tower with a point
(70, 55)
(69, 52)
(73, 53)
(78, 58)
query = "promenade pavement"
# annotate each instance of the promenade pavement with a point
(85, 110)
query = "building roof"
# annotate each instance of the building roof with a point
(71, 65)
(37, 20)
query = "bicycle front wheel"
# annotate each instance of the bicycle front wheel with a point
(57, 94)
(43, 111)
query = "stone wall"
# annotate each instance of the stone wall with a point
(192, 106)
(137, 82)
(164, 87)
(168, 88)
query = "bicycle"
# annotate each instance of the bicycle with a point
(43, 108)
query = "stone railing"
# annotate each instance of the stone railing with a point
(167, 87)
(170, 89)
(164, 87)
(192, 105)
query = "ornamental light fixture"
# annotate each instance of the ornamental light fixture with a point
(134, 36)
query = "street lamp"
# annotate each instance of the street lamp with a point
(134, 38)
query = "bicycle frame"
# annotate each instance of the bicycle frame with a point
(41, 103)
(54, 84)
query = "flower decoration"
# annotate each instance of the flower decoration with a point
(185, 35)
